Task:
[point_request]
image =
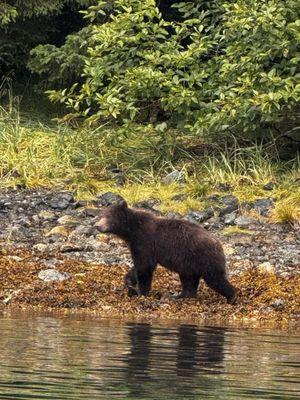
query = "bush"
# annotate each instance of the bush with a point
(218, 67)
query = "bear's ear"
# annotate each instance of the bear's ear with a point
(123, 204)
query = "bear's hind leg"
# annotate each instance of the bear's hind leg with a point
(190, 285)
(220, 284)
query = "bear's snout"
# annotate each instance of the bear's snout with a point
(102, 225)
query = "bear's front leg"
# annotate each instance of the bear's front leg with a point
(131, 283)
(143, 270)
(144, 278)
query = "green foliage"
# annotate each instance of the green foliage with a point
(25, 24)
(230, 67)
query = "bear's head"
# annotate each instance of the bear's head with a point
(113, 219)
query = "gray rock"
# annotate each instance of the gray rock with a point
(148, 205)
(214, 222)
(196, 216)
(229, 200)
(18, 233)
(278, 303)
(263, 206)
(228, 210)
(70, 247)
(42, 247)
(61, 201)
(52, 275)
(68, 220)
(244, 221)
(230, 219)
(84, 230)
(174, 176)
(47, 215)
(269, 186)
(107, 199)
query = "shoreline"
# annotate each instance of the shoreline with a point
(98, 290)
(14, 312)
(48, 235)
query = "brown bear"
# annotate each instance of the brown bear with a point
(178, 245)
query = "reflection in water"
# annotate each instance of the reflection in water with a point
(64, 358)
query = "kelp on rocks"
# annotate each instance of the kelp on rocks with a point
(99, 289)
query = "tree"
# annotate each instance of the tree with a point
(26, 23)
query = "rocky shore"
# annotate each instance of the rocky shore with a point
(51, 256)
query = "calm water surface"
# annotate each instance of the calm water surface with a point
(67, 358)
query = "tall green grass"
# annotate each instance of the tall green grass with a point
(35, 154)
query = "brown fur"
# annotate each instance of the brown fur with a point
(178, 245)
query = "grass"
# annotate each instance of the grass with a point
(287, 209)
(235, 230)
(34, 154)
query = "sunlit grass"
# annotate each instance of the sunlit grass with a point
(34, 155)
(235, 230)
(287, 209)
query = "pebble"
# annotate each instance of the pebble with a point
(52, 275)
(172, 177)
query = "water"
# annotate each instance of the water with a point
(67, 358)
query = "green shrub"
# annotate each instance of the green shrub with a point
(219, 67)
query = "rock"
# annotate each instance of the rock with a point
(223, 187)
(47, 215)
(42, 247)
(230, 219)
(58, 231)
(70, 247)
(84, 230)
(89, 212)
(107, 199)
(8, 299)
(229, 200)
(24, 221)
(214, 222)
(266, 267)
(147, 204)
(52, 275)
(195, 216)
(262, 206)
(228, 210)
(68, 220)
(278, 303)
(3, 205)
(18, 233)
(172, 177)
(99, 246)
(269, 186)
(244, 221)
(61, 201)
